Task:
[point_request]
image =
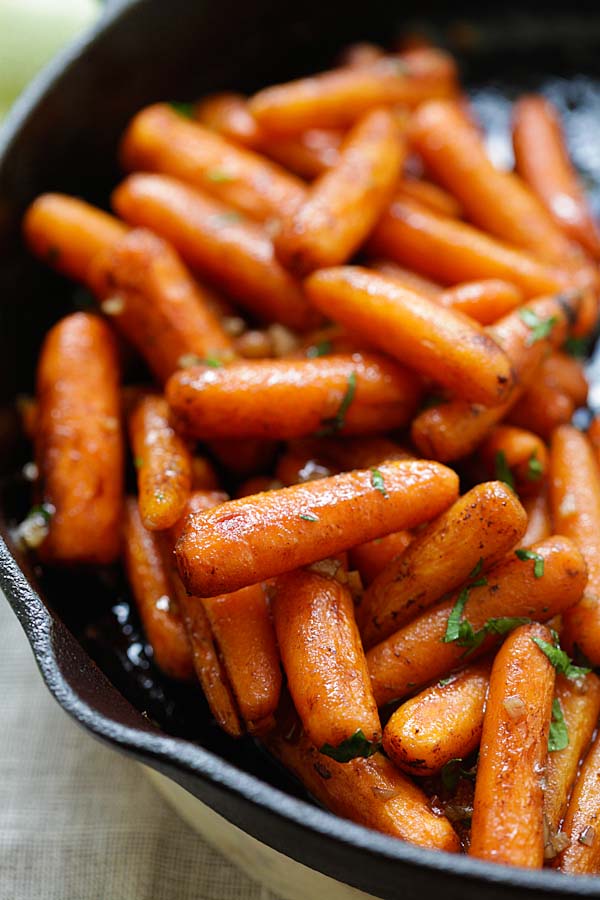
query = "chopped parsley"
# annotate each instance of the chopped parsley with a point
(378, 482)
(212, 361)
(184, 109)
(558, 736)
(231, 217)
(320, 349)
(308, 517)
(538, 565)
(539, 328)
(534, 468)
(138, 462)
(45, 510)
(578, 347)
(503, 472)
(560, 660)
(337, 422)
(351, 748)
(219, 176)
(453, 771)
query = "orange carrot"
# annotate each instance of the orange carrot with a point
(582, 855)
(563, 373)
(371, 558)
(361, 54)
(542, 410)
(308, 154)
(485, 301)
(407, 277)
(539, 524)
(516, 456)
(508, 822)
(227, 113)
(204, 477)
(436, 342)
(430, 195)
(222, 550)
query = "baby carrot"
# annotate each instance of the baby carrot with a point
(517, 456)
(343, 205)
(436, 342)
(539, 524)
(442, 723)
(336, 98)
(325, 664)
(435, 643)
(430, 195)
(371, 558)
(158, 139)
(78, 441)
(542, 160)
(542, 410)
(236, 254)
(563, 373)
(156, 304)
(227, 113)
(575, 504)
(508, 822)
(369, 791)
(293, 398)
(68, 233)
(222, 550)
(163, 463)
(581, 826)
(486, 301)
(153, 593)
(407, 277)
(482, 525)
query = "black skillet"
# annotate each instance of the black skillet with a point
(62, 136)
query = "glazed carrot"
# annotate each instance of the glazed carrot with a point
(324, 661)
(308, 154)
(430, 195)
(594, 437)
(361, 54)
(516, 456)
(227, 113)
(336, 98)
(496, 201)
(563, 373)
(416, 655)
(542, 159)
(451, 251)
(242, 628)
(436, 342)
(298, 466)
(343, 205)
(407, 277)
(292, 398)
(575, 504)
(68, 233)
(442, 723)
(357, 453)
(580, 704)
(236, 255)
(448, 431)
(153, 593)
(542, 410)
(581, 826)
(539, 524)
(371, 558)
(163, 463)
(508, 822)
(222, 550)
(369, 791)
(483, 524)
(158, 139)
(156, 304)
(78, 441)
(486, 301)
(204, 477)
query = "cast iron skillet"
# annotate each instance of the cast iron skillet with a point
(62, 136)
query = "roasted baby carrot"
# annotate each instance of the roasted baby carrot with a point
(336, 98)
(448, 431)
(539, 523)
(441, 723)
(325, 664)
(508, 824)
(407, 277)
(68, 233)
(163, 462)
(222, 550)
(356, 453)
(436, 342)
(371, 558)
(236, 254)
(451, 251)
(435, 643)
(575, 504)
(78, 442)
(147, 292)
(158, 139)
(486, 301)
(343, 205)
(516, 456)
(293, 398)
(542, 159)
(581, 826)
(541, 410)
(496, 201)
(242, 629)
(564, 373)
(153, 593)
(430, 195)
(227, 113)
(579, 701)
(369, 791)
(480, 527)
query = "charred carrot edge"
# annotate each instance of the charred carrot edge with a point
(442, 723)
(423, 650)
(575, 505)
(158, 139)
(580, 705)
(325, 516)
(78, 441)
(320, 646)
(582, 855)
(153, 594)
(542, 159)
(280, 399)
(68, 233)
(371, 558)
(539, 523)
(343, 205)
(518, 455)
(507, 822)
(163, 462)
(480, 527)
(242, 628)
(436, 342)
(370, 791)
(237, 255)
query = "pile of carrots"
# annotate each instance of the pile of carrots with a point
(338, 297)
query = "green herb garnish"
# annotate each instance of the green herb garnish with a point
(453, 771)
(336, 423)
(351, 748)
(578, 347)
(231, 217)
(138, 462)
(184, 109)
(534, 468)
(219, 176)
(45, 510)
(560, 660)
(503, 472)
(320, 349)
(558, 736)
(378, 482)
(540, 328)
(308, 517)
(212, 361)
(538, 566)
